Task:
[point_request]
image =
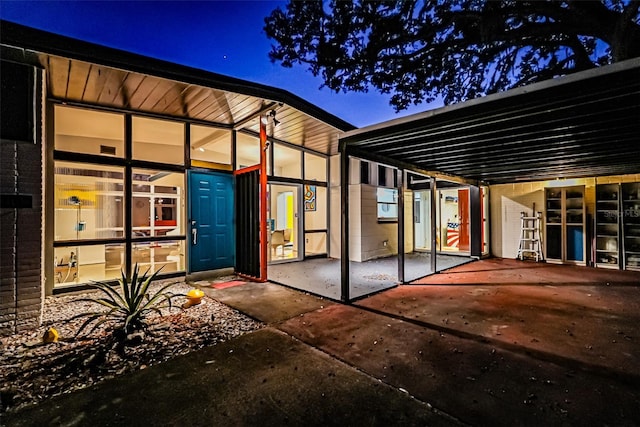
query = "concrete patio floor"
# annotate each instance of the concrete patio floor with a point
(321, 276)
(494, 342)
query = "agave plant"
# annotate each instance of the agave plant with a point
(127, 305)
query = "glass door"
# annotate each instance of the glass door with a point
(422, 220)
(283, 226)
(454, 220)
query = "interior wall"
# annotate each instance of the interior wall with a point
(506, 201)
(315, 243)
(317, 220)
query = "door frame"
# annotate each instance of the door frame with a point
(300, 220)
(189, 200)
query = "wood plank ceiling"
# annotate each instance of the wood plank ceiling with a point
(93, 84)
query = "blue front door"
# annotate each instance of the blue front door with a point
(211, 221)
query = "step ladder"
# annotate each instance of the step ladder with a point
(530, 242)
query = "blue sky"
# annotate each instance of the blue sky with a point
(225, 37)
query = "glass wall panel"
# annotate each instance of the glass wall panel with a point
(158, 140)
(373, 244)
(287, 162)
(247, 150)
(210, 144)
(88, 201)
(89, 132)
(315, 218)
(81, 264)
(153, 256)
(417, 234)
(315, 207)
(315, 167)
(422, 220)
(158, 203)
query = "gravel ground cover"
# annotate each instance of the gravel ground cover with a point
(31, 371)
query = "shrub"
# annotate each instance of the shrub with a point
(127, 305)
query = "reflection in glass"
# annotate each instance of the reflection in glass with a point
(88, 201)
(210, 144)
(90, 132)
(247, 150)
(167, 256)
(157, 208)
(158, 140)
(287, 162)
(315, 167)
(82, 264)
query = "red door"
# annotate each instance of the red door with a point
(463, 215)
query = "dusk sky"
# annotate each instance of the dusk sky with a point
(225, 37)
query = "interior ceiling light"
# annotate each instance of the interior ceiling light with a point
(201, 149)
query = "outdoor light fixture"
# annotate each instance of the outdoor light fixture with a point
(272, 114)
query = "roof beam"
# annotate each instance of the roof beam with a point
(265, 107)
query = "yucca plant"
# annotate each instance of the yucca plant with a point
(127, 305)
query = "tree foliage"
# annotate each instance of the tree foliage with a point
(419, 50)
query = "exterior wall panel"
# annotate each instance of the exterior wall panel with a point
(21, 231)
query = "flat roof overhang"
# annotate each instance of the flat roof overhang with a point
(584, 124)
(86, 73)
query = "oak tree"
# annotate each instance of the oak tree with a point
(419, 50)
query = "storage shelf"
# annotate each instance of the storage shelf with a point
(565, 225)
(624, 200)
(607, 220)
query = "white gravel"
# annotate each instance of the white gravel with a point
(31, 371)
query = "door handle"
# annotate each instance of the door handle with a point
(194, 235)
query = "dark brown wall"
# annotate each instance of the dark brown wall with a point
(21, 226)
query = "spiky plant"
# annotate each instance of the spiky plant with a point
(127, 305)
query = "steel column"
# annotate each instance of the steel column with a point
(475, 220)
(344, 224)
(434, 241)
(400, 187)
(263, 198)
